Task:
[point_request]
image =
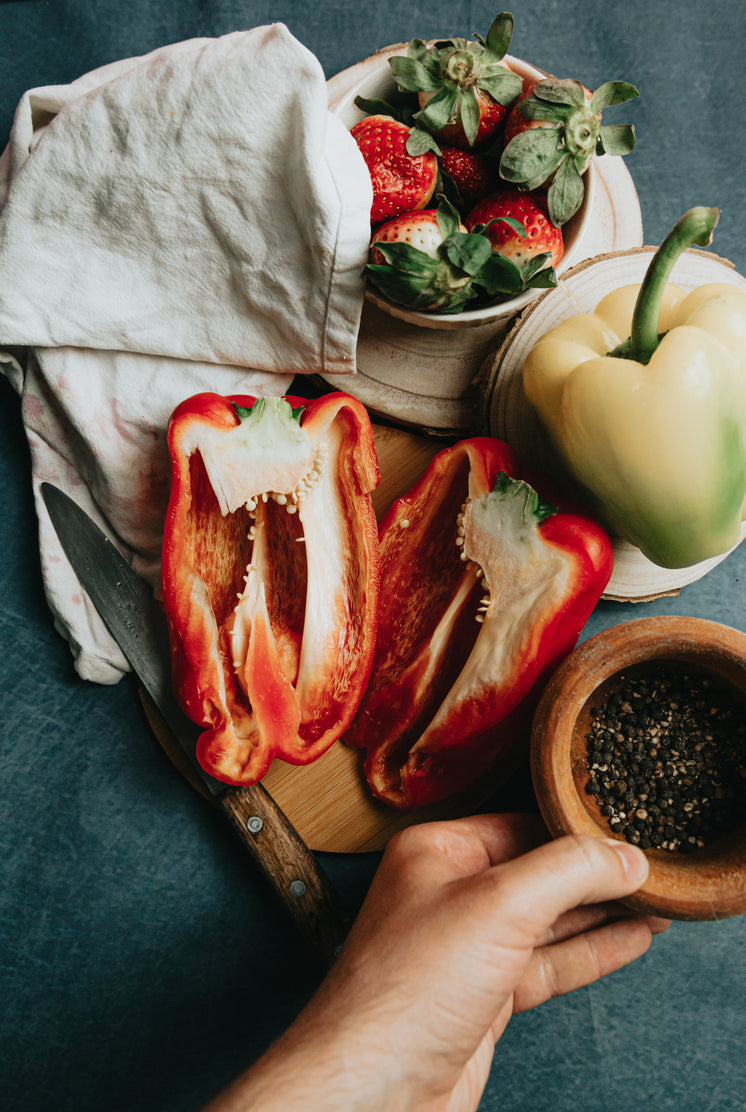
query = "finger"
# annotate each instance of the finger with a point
(500, 837)
(534, 890)
(578, 961)
(581, 919)
(657, 924)
(467, 845)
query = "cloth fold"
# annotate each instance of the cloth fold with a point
(191, 220)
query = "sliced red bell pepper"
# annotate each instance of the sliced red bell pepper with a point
(270, 574)
(487, 588)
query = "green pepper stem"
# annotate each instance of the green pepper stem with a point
(694, 227)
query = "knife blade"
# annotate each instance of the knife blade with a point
(132, 615)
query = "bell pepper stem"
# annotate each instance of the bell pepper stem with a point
(695, 227)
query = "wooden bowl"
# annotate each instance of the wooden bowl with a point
(703, 883)
(377, 82)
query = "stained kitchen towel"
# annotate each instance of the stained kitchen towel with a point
(194, 219)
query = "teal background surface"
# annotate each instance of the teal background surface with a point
(144, 960)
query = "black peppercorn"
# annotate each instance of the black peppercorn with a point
(667, 758)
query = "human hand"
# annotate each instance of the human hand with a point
(465, 923)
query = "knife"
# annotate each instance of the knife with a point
(137, 623)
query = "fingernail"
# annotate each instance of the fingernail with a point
(634, 861)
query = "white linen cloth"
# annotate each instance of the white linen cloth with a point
(191, 220)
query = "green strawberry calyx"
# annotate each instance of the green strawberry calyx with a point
(452, 70)
(463, 270)
(535, 273)
(419, 141)
(562, 148)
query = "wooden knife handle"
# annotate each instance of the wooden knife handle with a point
(290, 867)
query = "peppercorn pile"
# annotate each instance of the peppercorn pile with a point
(667, 759)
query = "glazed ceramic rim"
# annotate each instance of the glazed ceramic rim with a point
(370, 85)
(704, 884)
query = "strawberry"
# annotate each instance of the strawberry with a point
(419, 229)
(552, 133)
(519, 229)
(427, 260)
(463, 86)
(473, 175)
(410, 265)
(401, 181)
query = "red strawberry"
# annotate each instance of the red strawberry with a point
(425, 260)
(539, 235)
(553, 132)
(401, 181)
(463, 86)
(473, 175)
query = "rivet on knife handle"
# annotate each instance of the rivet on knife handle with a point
(295, 873)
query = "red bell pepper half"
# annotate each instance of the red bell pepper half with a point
(487, 588)
(270, 574)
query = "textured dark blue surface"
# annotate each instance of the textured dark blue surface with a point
(144, 960)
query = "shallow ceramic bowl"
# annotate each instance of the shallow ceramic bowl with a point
(378, 82)
(705, 883)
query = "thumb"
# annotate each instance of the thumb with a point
(543, 884)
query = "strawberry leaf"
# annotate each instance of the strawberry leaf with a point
(531, 156)
(564, 90)
(470, 114)
(428, 291)
(447, 219)
(502, 86)
(458, 302)
(416, 49)
(467, 252)
(613, 92)
(499, 35)
(438, 109)
(516, 225)
(544, 279)
(565, 194)
(534, 108)
(372, 106)
(403, 289)
(616, 139)
(420, 141)
(406, 258)
(533, 266)
(499, 276)
(412, 76)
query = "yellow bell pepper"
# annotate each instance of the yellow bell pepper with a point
(654, 429)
